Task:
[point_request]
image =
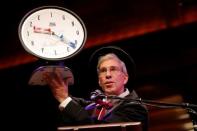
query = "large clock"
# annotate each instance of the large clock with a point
(52, 33)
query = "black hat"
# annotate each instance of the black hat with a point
(122, 55)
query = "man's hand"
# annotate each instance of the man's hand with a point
(57, 84)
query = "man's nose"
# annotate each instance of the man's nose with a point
(108, 74)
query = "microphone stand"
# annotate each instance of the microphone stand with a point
(159, 104)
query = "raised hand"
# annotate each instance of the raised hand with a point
(57, 84)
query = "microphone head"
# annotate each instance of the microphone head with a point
(97, 94)
(99, 100)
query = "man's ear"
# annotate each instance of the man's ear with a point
(126, 79)
(99, 82)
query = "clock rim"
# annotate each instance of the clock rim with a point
(51, 7)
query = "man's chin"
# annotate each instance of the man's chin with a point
(109, 92)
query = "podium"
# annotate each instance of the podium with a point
(123, 126)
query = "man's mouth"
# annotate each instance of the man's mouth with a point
(109, 83)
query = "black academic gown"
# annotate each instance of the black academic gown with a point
(123, 111)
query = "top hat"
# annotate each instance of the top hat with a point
(122, 55)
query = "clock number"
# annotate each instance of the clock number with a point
(30, 23)
(38, 17)
(42, 50)
(68, 49)
(73, 23)
(32, 43)
(77, 32)
(75, 42)
(27, 33)
(63, 17)
(51, 14)
(55, 52)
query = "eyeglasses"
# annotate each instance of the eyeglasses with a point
(112, 69)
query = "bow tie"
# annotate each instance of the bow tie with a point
(102, 109)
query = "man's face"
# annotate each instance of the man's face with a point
(111, 78)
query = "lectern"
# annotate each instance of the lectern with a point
(124, 126)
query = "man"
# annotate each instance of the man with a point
(112, 78)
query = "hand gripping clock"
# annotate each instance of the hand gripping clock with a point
(52, 33)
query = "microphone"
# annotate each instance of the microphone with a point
(96, 95)
(100, 99)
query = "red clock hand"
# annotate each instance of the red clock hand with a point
(42, 30)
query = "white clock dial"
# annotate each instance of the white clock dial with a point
(52, 33)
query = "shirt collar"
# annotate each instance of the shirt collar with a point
(125, 93)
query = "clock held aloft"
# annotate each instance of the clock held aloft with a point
(52, 33)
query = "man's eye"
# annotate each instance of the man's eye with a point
(102, 70)
(113, 69)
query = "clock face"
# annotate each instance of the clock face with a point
(52, 33)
